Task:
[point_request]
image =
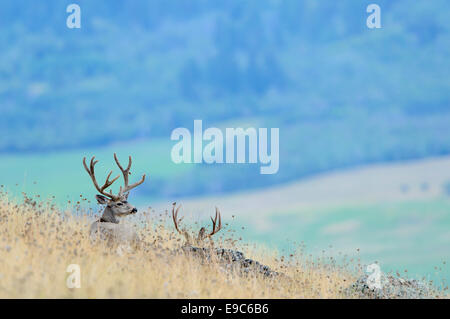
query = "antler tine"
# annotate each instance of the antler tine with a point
(175, 216)
(108, 182)
(91, 172)
(125, 173)
(214, 222)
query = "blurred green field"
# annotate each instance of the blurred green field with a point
(61, 174)
(410, 235)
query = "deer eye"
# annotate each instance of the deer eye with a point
(119, 204)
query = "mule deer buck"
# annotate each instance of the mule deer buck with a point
(202, 235)
(107, 228)
(227, 258)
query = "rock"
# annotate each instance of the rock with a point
(231, 259)
(391, 288)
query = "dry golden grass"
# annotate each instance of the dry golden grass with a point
(38, 242)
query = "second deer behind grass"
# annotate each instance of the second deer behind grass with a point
(202, 234)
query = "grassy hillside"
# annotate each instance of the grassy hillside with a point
(38, 243)
(396, 213)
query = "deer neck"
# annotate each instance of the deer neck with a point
(108, 216)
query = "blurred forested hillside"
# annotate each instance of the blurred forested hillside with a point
(340, 93)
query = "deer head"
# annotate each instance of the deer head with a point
(202, 234)
(116, 204)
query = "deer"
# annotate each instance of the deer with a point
(202, 234)
(107, 228)
(227, 258)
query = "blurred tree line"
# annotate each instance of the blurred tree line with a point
(340, 93)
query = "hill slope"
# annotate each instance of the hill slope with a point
(397, 214)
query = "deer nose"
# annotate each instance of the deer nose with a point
(134, 210)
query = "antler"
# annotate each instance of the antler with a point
(217, 225)
(214, 222)
(175, 217)
(108, 183)
(126, 172)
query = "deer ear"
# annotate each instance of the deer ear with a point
(201, 234)
(126, 195)
(102, 200)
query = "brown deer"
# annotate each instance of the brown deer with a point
(202, 235)
(107, 227)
